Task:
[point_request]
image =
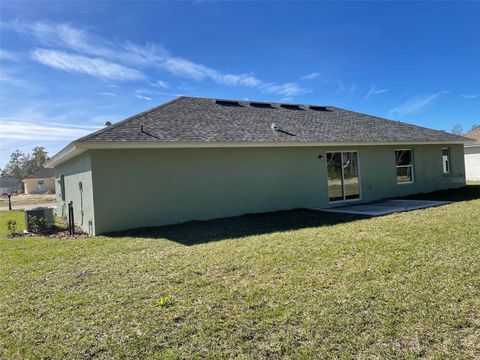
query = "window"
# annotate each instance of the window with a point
(404, 166)
(446, 160)
(40, 187)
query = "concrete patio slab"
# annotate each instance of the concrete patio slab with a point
(385, 207)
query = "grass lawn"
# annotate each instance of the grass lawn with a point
(298, 284)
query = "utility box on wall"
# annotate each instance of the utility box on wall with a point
(38, 219)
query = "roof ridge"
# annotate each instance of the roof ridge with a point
(106, 128)
(125, 130)
(252, 101)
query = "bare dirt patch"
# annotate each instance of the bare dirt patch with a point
(31, 199)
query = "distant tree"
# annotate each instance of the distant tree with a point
(35, 160)
(22, 165)
(457, 129)
(16, 166)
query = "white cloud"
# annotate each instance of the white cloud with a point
(469, 96)
(21, 130)
(152, 55)
(415, 104)
(163, 84)
(109, 55)
(310, 76)
(189, 69)
(73, 126)
(142, 97)
(63, 35)
(106, 93)
(12, 80)
(341, 87)
(287, 90)
(9, 55)
(82, 64)
(236, 80)
(375, 91)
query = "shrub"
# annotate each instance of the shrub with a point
(12, 226)
(36, 224)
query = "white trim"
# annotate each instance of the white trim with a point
(183, 144)
(449, 167)
(412, 165)
(77, 147)
(344, 200)
(63, 155)
(469, 144)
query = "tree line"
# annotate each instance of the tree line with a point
(22, 165)
(458, 129)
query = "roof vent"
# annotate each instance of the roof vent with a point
(318, 108)
(291, 107)
(275, 127)
(227, 103)
(261, 105)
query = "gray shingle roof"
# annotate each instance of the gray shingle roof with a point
(188, 119)
(8, 181)
(42, 174)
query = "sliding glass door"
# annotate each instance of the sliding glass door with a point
(342, 171)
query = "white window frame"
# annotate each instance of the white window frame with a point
(405, 166)
(446, 169)
(343, 188)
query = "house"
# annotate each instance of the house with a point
(199, 159)
(40, 182)
(8, 185)
(472, 155)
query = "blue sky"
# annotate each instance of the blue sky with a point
(67, 67)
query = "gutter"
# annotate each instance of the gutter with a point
(67, 153)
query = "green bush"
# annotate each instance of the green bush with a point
(36, 224)
(12, 226)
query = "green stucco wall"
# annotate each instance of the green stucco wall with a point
(75, 171)
(377, 166)
(150, 187)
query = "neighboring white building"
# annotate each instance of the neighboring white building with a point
(472, 156)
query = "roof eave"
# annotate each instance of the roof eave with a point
(69, 152)
(78, 147)
(472, 144)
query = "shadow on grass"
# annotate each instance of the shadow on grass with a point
(198, 232)
(467, 193)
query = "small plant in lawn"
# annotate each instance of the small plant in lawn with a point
(165, 301)
(12, 226)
